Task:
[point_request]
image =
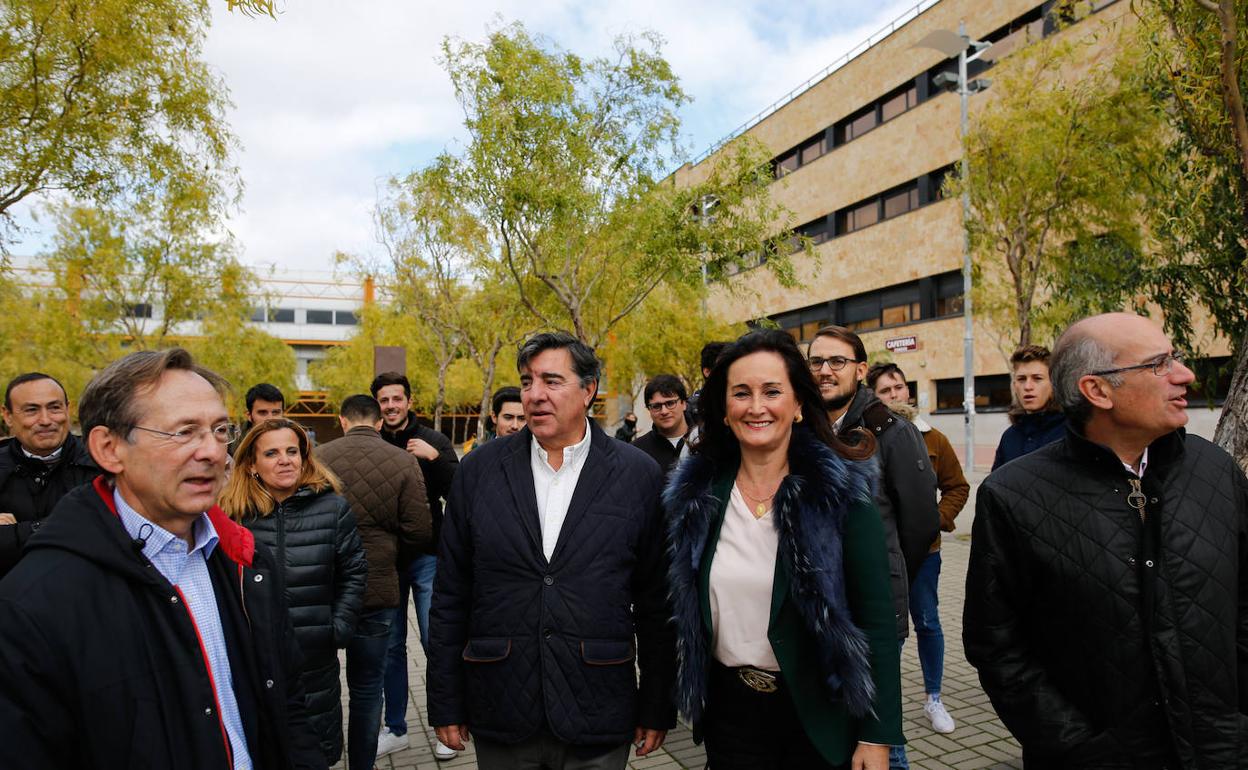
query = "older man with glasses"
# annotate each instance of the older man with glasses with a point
(143, 628)
(1107, 592)
(668, 442)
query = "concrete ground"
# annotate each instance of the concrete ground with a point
(980, 740)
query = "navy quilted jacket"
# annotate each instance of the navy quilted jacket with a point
(1099, 630)
(1027, 433)
(517, 644)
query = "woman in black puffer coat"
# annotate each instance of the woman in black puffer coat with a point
(290, 502)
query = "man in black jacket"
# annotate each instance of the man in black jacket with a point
(143, 628)
(907, 493)
(438, 463)
(39, 464)
(551, 588)
(665, 398)
(1107, 592)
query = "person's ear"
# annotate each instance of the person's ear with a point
(1097, 391)
(107, 449)
(342, 422)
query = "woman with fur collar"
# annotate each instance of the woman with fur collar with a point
(779, 575)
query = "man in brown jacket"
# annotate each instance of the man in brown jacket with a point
(386, 490)
(889, 384)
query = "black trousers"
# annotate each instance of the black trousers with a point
(748, 730)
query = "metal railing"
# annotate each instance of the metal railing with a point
(846, 58)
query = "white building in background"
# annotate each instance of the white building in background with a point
(309, 310)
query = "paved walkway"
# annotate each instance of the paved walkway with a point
(980, 741)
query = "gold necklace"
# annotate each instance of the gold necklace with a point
(760, 510)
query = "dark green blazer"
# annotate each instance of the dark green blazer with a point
(830, 727)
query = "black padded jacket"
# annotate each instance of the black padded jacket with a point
(29, 489)
(1101, 631)
(906, 496)
(314, 539)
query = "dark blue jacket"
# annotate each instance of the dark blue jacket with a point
(517, 644)
(1028, 433)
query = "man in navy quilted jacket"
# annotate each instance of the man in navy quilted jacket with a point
(1107, 593)
(551, 587)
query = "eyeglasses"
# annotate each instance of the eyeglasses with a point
(223, 433)
(1160, 368)
(659, 406)
(835, 363)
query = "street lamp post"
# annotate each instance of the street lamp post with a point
(956, 44)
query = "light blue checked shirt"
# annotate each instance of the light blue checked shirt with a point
(188, 570)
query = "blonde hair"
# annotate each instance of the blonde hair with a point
(245, 496)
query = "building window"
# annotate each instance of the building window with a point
(282, 315)
(344, 318)
(900, 305)
(992, 394)
(860, 124)
(786, 164)
(900, 201)
(139, 310)
(320, 316)
(812, 149)
(949, 295)
(898, 103)
(860, 216)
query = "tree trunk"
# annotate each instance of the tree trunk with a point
(487, 392)
(439, 402)
(1232, 432)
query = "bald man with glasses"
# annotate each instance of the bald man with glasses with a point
(1107, 591)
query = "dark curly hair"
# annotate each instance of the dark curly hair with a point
(716, 440)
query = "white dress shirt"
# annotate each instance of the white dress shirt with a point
(554, 488)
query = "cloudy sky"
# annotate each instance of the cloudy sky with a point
(331, 98)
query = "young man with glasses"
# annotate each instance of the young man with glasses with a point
(906, 494)
(667, 443)
(1107, 590)
(143, 627)
(39, 464)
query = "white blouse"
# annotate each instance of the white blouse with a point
(742, 572)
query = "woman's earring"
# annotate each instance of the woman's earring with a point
(798, 418)
(725, 420)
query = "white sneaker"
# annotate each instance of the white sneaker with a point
(388, 742)
(443, 752)
(939, 716)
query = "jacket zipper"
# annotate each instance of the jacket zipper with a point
(212, 683)
(1136, 497)
(242, 595)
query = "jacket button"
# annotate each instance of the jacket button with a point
(268, 684)
(547, 633)
(1148, 563)
(1153, 500)
(208, 712)
(548, 580)
(259, 578)
(1131, 561)
(173, 600)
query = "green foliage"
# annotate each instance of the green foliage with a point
(111, 99)
(564, 172)
(664, 336)
(1053, 161)
(76, 313)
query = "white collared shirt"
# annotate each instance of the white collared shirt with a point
(1143, 465)
(554, 488)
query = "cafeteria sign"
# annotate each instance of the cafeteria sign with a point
(902, 344)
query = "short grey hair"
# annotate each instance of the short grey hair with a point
(1076, 355)
(584, 363)
(109, 399)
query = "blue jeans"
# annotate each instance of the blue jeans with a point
(924, 603)
(418, 581)
(366, 664)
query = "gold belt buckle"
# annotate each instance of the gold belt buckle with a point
(757, 679)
